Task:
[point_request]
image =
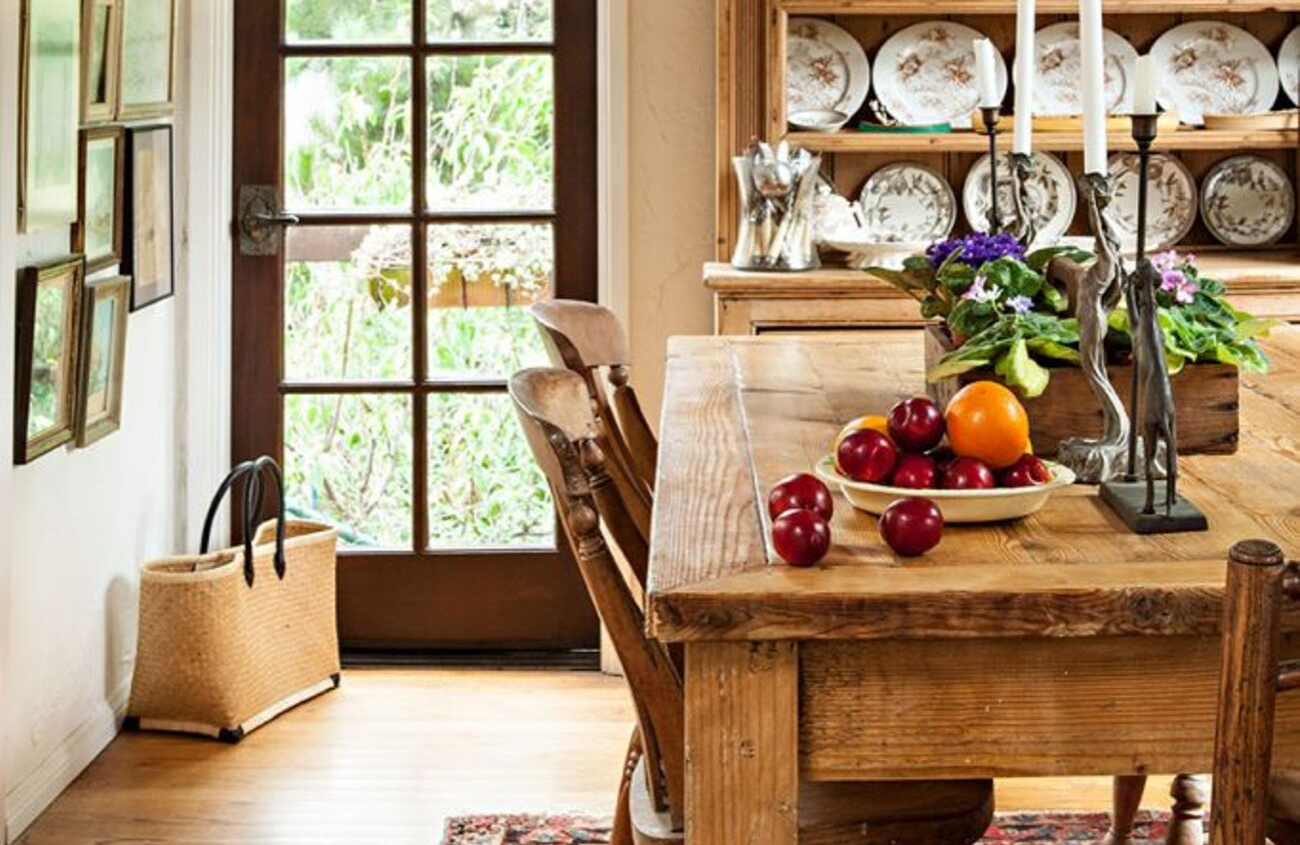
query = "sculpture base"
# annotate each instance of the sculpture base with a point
(1128, 498)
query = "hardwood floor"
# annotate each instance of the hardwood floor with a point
(386, 758)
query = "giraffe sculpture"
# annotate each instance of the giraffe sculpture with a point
(1102, 459)
(1157, 394)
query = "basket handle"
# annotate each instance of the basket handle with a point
(253, 487)
(267, 464)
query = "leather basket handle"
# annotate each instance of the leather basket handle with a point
(251, 487)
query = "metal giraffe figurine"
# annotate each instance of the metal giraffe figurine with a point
(1102, 459)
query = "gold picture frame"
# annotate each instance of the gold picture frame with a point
(106, 303)
(101, 60)
(147, 68)
(45, 378)
(49, 113)
(100, 197)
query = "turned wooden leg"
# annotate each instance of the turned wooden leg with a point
(621, 834)
(1187, 826)
(1126, 797)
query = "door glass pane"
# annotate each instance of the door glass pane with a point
(347, 21)
(348, 463)
(347, 133)
(347, 303)
(491, 133)
(482, 278)
(489, 20)
(484, 486)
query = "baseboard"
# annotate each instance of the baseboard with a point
(30, 795)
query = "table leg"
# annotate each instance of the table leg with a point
(1187, 827)
(742, 737)
(1126, 798)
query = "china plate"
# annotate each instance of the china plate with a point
(1171, 201)
(1247, 200)
(907, 203)
(1288, 65)
(1214, 67)
(1051, 188)
(826, 68)
(1058, 67)
(925, 74)
(996, 505)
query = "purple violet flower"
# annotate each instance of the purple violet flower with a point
(978, 293)
(977, 249)
(1177, 285)
(1020, 304)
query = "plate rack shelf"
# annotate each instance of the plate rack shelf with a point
(751, 97)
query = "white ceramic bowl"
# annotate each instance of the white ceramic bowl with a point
(995, 505)
(819, 120)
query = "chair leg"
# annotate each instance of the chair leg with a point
(1187, 827)
(1127, 797)
(621, 833)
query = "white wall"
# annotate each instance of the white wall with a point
(77, 523)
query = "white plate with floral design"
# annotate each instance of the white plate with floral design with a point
(907, 203)
(1051, 190)
(826, 68)
(1058, 67)
(1171, 201)
(1288, 65)
(1211, 67)
(1247, 200)
(925, 74)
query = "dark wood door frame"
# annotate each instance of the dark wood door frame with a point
(417, 599)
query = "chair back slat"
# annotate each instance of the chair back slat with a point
(555, 413)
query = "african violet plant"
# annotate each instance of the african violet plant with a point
(1002, 311)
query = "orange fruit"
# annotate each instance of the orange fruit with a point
(986, 421)
(875, 422)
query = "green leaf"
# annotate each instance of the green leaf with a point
(917, 263)
(1020, 371)
(1051, 349)
(950, 366)
(1252, 327)
(932, 306)
(1040, 258)
(969, 318)
(1055, 298)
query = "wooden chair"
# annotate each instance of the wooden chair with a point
(587, 339)
(555, 410)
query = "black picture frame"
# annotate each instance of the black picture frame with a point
(149, 250)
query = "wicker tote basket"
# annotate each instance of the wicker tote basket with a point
(230, 640)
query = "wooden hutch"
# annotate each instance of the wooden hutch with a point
(751, 103)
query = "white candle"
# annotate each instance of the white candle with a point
(986, 75)
(1025, 61)
(1094, 87)
(1145, 85)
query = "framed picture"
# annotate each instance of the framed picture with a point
(101, 35)
(98, 234)
(148, 55)
(49, 114)
(104, 309)
(147, 257)
(49, 302)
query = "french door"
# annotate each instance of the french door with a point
(432, 166)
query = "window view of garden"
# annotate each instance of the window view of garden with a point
(349, 298)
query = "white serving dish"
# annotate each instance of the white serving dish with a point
(997, 505)
(818, 120)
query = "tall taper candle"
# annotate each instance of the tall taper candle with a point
(1145, 85)
(1094, 87)
(1025, 61)
(986, 73)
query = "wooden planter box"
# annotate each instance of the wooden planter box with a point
(1204, 394)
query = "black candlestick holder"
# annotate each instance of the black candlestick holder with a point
(991, 115)
(1145, 127)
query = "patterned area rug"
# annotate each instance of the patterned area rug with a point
(1019, 828)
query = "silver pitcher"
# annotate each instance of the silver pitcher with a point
(776, 197)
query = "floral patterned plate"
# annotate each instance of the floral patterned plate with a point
(1051, 189)
(1171, 201)
(907, 203)
(1058, 67)
(826, 68)
(1247, 200)
(1288, 65)
(925, 74)
(1210, 67)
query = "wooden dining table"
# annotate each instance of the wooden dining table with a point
(1057, 645)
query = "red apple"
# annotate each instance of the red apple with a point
(912, 526)
(916, 472)
(1027, 471)
(800, 492)
(866, 455)
(916, 424)
(968, 474)
(801, 537)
